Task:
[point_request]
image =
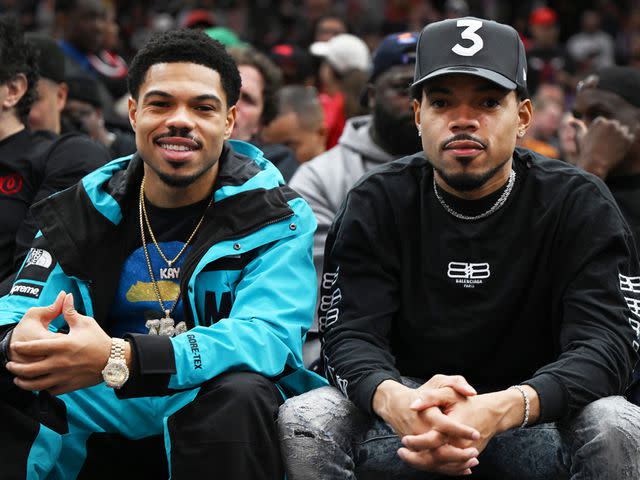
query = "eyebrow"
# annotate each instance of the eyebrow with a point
(438, 89)
(199, 98)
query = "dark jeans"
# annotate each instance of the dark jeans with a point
(226, 428)
(324, 435)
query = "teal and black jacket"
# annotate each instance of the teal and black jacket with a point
(248, 285)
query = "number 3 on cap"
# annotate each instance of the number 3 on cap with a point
(469, 33)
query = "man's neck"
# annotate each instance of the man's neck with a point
(9, 124)
(159, 194)
(496, 182)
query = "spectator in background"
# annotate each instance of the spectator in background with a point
(33, 165)
(51, 87)
(82, 26)
(295, 62)
(256, 107)
(546, 57)
(542, 135)
(607, 107)
(84, 112)
(592, 48)
(329, 26)
(345, 65)
(299, 123)
(198, 18)
(110, 67)
(368, 141)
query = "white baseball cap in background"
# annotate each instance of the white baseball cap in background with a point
(344, 52)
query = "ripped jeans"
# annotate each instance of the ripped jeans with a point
(325, 436)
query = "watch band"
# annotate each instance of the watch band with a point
(117, 349)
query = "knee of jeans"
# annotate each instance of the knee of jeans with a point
(612, 419)
(312, 414)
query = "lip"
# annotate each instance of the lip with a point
(177, 155)
(464, 148)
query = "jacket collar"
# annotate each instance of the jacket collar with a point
(84, 219)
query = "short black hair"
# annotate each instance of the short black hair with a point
(18, 57)
(189, 46)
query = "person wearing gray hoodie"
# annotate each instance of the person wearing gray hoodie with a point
(388, 133)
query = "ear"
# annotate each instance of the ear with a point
(416, 112)
(61, 96)
(16, 88)
(133, 110)
(371, 96)
(323, 132)
(525, 115)
(230, 121)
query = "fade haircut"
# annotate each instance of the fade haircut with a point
(185, 46)
(18, 57)
(271, 78)
(304, 102)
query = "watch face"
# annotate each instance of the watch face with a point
(115, 374)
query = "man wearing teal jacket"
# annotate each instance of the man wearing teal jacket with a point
(166, 294)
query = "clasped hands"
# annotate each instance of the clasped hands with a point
(43, 360)
(444, 425)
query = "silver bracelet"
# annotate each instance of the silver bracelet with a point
(525, 422)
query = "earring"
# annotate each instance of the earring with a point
(520, 134)
(419, 132)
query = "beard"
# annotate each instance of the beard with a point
(398, 134)
(182, 181)
(468, 182)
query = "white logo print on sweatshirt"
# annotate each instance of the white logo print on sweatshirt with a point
(468, 274)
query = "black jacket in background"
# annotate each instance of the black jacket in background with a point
(34, 165)
(536, 293)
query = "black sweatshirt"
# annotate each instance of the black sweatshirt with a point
(536, 293)
(34, 165)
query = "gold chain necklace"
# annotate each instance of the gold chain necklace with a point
(162, 326)
(153, 237)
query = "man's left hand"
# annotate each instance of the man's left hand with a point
(66, 362)
(489, 414)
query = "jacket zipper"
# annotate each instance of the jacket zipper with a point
(189, 268)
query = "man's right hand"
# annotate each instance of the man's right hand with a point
(423, 410)
(603, 146)
(34, 325)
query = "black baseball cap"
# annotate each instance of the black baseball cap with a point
(395, 49)
(472, 46)
(50, 57)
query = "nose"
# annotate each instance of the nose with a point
(463, 118)
(180, 118)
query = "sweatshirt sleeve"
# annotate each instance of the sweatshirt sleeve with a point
(600, 303)
(359, 298)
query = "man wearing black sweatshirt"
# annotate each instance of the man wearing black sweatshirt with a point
(33, 164)
(477, 299)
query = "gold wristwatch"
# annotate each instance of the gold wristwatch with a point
(115, 372)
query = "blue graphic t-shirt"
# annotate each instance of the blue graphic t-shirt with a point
(135, 300)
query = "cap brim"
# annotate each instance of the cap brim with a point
(490, 75)
(319, 49)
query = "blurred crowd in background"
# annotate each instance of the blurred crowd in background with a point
(306, 63)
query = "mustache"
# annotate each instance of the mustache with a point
(459, 137)
(179, 132)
